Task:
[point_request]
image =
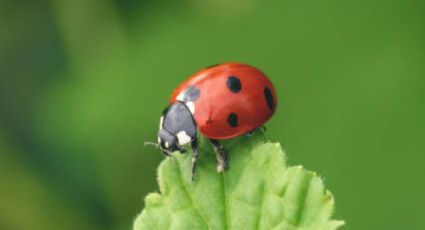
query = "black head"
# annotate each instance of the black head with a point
(176, 128)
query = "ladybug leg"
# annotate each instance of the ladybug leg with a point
(181, 150)
(220, 155)
(250, 133)
(194, 145)
(165, 153)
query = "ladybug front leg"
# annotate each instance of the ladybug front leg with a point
(220, 155)
(194, 145)
(262, 129)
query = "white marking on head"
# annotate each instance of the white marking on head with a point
(167, 145)
(191, 106)
(161, 120)
(180, 97)
(183, 138)
(159, 140)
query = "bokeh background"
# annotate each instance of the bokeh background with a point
(82, 84)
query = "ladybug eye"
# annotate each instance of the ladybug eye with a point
(234, 84)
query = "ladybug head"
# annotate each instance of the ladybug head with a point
(176, 128)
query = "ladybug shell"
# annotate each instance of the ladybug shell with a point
(228, 100)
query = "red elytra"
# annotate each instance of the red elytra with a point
(253, 104)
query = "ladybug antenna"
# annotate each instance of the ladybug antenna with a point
(151, 143)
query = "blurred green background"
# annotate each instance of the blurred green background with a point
(82, 84)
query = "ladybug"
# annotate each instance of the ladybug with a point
(221, 102)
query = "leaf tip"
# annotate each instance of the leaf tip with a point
(153, 200)
(329, 198)
(335, 224)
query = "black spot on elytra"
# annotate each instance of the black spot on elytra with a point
(232, 119)
(269, 98)
(234, 84)
(191, 94)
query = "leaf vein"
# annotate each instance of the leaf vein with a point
(303, 199)
(195, 206)
(226, 205)
(260, 209)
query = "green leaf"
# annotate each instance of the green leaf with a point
(258, 191)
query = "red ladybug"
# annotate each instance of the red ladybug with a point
(221, 101)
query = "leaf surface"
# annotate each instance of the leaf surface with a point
(258, 191)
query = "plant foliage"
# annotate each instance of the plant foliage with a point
(258, 191)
